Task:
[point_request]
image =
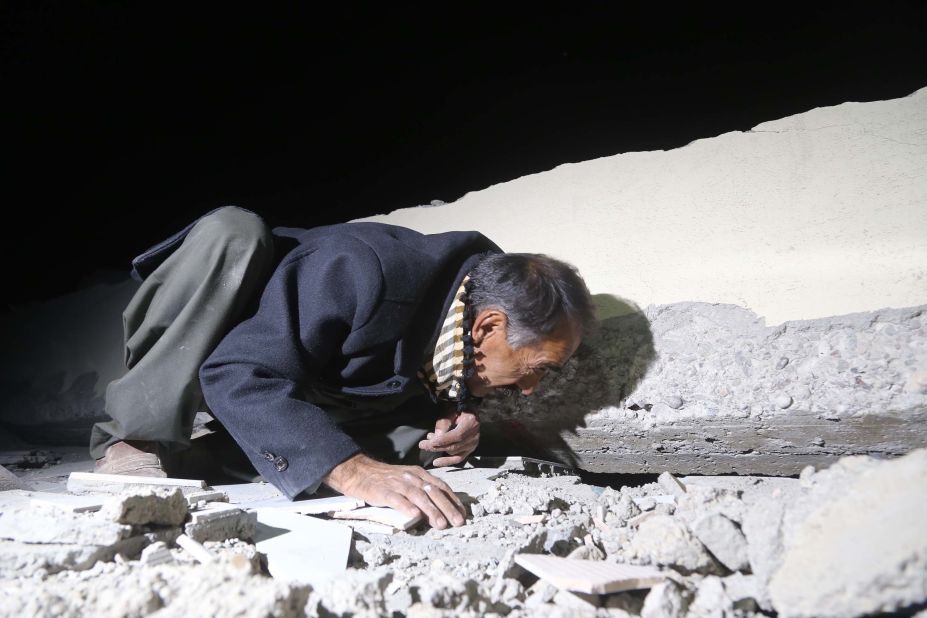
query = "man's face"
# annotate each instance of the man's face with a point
(500, 366)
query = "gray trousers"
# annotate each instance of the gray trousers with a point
(177, 318)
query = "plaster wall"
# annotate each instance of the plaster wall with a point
(818, 214)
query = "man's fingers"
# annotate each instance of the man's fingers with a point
(428, 479)
(443, 425)
(399, 502)
(457, 435)
(440, 462)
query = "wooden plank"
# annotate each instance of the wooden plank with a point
(589, 576)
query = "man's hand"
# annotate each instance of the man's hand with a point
(407, 488)
(458, 442)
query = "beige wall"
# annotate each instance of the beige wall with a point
(822, 213)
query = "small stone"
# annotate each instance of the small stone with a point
(671, 484)
(783, 401)
(674, 401)
(782, 363)
(818, 441)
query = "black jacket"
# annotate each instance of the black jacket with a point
(352, 312)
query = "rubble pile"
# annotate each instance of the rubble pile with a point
(848, 540)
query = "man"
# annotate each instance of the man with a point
(367, 342)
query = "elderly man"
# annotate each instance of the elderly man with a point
(324, 351)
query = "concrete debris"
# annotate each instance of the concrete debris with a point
(26, 524)
(666, 541)
(220, 521)
(156, 553)
(196, 549)
(856, 542)
(9, 481)
(111, 590)
(155, 506)
(724, 540)
(843, 541)
(667, 599)
(195, 498)
(89, 483)
(672, 485)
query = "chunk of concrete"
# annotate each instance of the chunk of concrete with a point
(219, 522)
(724, 540)
(856, 544)
(671, 485)
(155, 506)
(666, 600)
(29, 525)
(300, 548)
(664, 540)
(196, 497)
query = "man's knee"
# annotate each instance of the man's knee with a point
(240, 233)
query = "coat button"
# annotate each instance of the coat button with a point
(267, 455)
(393, 384)
(281, 464)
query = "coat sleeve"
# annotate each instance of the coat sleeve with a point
(253, 381)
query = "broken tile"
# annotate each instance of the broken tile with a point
(300, 548)
(89, 482)
(195, 549)
(382, 515)
(527, 520)
(589, 577)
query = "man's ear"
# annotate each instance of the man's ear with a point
(488, 323)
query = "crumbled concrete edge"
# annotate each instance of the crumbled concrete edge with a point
(696, 388)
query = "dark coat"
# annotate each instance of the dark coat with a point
(351, 311)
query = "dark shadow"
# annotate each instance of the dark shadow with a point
(607, 367)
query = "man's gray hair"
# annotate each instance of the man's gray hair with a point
(536, 292)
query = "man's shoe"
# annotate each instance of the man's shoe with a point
(131, 458)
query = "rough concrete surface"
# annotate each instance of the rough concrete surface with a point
(697, 388)
(846, 541)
